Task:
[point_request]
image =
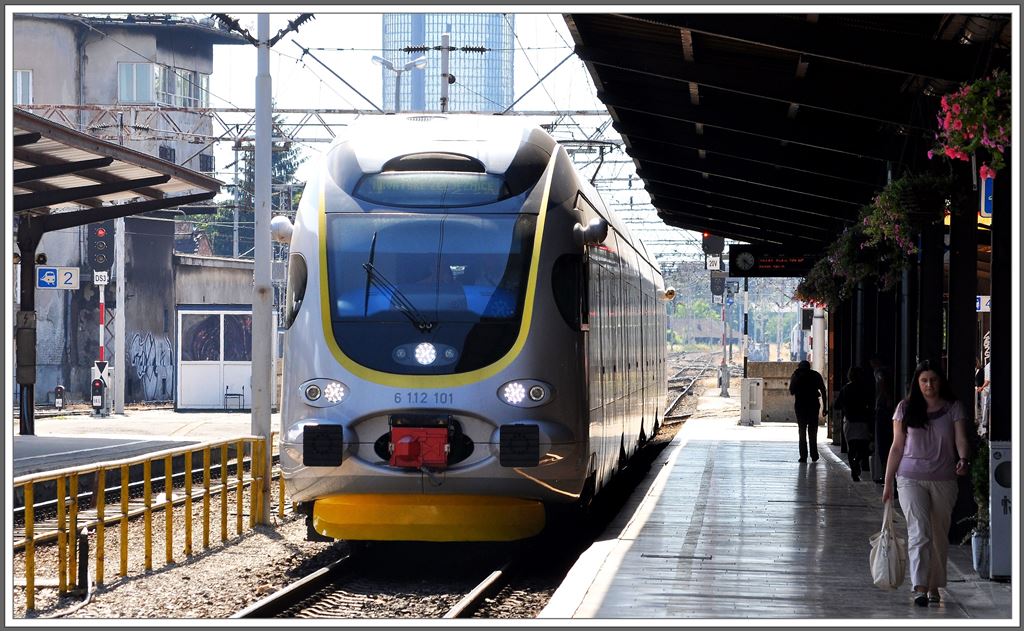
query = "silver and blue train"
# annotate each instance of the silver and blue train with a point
(471, 335)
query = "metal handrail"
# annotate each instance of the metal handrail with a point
(69, 514)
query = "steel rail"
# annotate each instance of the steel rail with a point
(281, 600)
(471, 601)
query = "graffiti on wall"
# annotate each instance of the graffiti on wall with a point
(152, 364)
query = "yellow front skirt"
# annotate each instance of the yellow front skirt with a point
(415, 517)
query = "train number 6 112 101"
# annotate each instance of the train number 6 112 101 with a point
(421, 397)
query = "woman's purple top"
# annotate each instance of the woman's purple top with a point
(929, 453)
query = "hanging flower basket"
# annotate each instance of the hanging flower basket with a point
(977, 116)
(893, 219)
(881, 244)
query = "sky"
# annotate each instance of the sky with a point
(542, 42)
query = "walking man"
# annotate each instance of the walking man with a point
(806, 385)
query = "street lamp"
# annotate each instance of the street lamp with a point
(419, 62)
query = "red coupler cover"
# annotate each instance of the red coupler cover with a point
(418, 446)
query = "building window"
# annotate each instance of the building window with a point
(206, 163)
(165, 80)
(135, 82)
(22, 87)
(166, 153)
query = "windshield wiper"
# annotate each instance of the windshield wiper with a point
(397, 297)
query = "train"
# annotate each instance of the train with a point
(472, 338)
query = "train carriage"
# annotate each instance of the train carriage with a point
(471, 335)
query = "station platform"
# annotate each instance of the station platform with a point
(71, 440)
(728, 525)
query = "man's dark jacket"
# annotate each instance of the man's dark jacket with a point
(805, 384)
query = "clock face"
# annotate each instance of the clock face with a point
(745, 260)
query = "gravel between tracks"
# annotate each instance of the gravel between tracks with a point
(211, 584)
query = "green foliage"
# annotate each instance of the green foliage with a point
(980, 484)
(696, 309)
(286, 192)
(882, 243)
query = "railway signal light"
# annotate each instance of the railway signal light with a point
(98, 393)
(713, 244)
(100, 246)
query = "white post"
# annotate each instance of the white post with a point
(120, 350)
(445, 41)
(818, 349)
(262, 291)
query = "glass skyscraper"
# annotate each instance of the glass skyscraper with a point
(483, 79)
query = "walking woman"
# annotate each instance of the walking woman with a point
(929, 449)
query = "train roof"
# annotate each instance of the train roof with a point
(494, 140)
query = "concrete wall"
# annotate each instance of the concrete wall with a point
(149, 327)
(778, 402)
(49, 49)
(208, 280)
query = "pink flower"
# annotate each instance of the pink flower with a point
(958, 124)
(930, 156)
(956, 108)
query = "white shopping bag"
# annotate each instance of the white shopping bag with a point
(888, 556)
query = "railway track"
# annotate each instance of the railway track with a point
(406, 580)
(692, 368)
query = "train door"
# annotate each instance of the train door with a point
(596, 361)
(610, 356)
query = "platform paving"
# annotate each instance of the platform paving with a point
(731, 526)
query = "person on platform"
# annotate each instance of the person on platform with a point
(805, 385)
(884, 406)
(929, 450)
(856, 400)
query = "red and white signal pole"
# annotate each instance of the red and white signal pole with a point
(102, 320)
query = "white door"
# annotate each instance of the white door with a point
(215, 359)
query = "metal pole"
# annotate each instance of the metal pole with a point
(121, 351)
(724, 370)
(445, 42)
(398, 90)
(746, 317)
(238, 200)
(262, 291)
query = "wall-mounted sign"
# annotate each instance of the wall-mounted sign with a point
(750, 260)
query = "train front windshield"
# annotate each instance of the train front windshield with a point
(415, 293)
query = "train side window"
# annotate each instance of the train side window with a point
(296, 287)
(570, 292)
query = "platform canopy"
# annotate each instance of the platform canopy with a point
(64, 178)
(776, 129)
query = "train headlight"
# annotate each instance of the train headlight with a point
(513, 393)
(525, 393)
(322, 393)
(425, 353)
(334, 392)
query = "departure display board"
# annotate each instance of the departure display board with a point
(749, 260)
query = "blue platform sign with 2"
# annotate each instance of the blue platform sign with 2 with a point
(57, 277)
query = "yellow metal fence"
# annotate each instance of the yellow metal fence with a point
(238, 467)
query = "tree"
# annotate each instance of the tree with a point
(284, 197)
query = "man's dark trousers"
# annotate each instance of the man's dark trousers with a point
(807, 421)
